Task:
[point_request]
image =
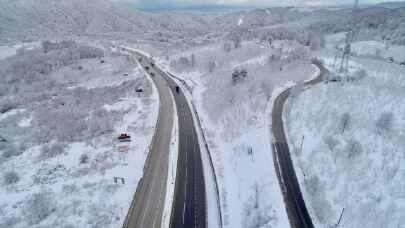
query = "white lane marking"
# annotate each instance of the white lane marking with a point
(147, 204)
(157, 206)
(184, 210)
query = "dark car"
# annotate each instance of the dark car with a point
(390, 59)
(124, 137)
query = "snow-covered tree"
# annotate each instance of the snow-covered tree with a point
(256, 214)
(38, 207)
(227, 47)
(11, 150)
(353, 148)
(52, 150)
(10, 177)
(238, 75)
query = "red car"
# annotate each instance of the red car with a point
(124, 138)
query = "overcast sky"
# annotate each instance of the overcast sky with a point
(244, 3)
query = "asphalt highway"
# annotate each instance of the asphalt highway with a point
(189, 206)
(295, 204)
(147, 206)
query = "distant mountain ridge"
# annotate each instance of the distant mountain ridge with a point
(47, 19)
(34, 19)
(393, 4)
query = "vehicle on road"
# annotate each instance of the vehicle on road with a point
(334, 78)
(139, 90)
(390, 59)
(177, 89)
(124, 137)
(402, 64)
(126, 74)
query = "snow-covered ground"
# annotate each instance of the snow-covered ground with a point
(10, 50)
(347, 142)
(57, 175)
(235, 122)
(379, 50)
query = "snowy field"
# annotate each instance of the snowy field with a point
(379, 50)
(10, 50)
(347, 142)
(235, 121)
(60, 117)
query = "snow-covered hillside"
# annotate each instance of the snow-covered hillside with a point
(61, 111)
(39, 19)
(32, 20)
(347, 141)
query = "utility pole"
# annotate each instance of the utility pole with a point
(340, 218)
(302, 143)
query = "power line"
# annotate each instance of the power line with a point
(353, 30)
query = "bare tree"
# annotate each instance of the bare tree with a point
(211, 66)
(344, 122)
(353, 148)
(384, 123)
(192, 60)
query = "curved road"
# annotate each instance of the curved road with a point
(189, 205)
(295, 204)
